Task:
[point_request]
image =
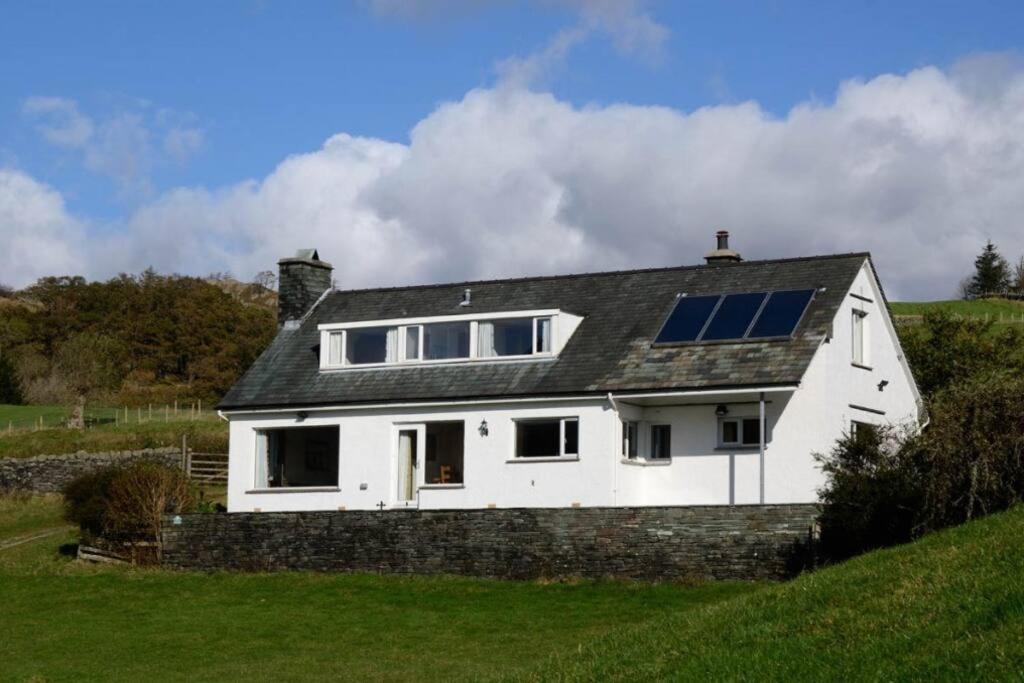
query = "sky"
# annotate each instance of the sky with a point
(414, 142)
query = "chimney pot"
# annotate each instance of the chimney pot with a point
(722, 253)
(302, 280)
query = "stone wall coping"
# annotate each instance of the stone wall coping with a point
(112, 455)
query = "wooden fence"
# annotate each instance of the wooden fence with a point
(206, 468)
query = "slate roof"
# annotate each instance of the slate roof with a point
(611, 349)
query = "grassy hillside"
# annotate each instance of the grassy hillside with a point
(992, 308)
(67, 621)
(948, 607)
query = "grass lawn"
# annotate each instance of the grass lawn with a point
(209, 434)
(66, 621)
(949, 607)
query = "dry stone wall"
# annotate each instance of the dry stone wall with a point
(712, 542)
(49, 473)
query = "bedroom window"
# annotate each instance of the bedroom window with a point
(552, 438)
(860, 338)
(412, 343)
(661, 442)
(743, 432)
(630, 436)
(296, 457)
(513, 337)
(446, 340)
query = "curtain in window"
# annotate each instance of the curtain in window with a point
(261, 460)
(334, 348)
(392, 345)
(485, 342)
(406, 457)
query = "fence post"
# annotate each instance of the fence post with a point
(185, 464)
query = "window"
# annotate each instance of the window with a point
(542, 343)
(444, 452)
(547, 438)
(334, 346)
(506, 337)
(860, 332)
(297, 456)
(446, 340)
(630, 432)
(742, 431)
(412, 343)
(862, 431)
(661, 442)
(370, 345)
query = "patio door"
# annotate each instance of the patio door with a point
(410, 462)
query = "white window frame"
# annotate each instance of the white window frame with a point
(562, 455)
(739, 419)
(630, 446)
(401, 325)
(860, 338)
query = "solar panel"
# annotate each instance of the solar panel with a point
(687, 319)
(780, 315)
(733, 317)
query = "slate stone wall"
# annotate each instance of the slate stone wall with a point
(742, 542)
(300, 284)
(49, 473)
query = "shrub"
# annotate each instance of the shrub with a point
(889, 486)
(123, 506)
(873, 496)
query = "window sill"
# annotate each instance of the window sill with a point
(442, 486)
(739, 449)
(862, 367)
(297, 489)
(553, 458)
(646, 462)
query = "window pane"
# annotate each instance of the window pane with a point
(661, 441)
(730, 431)
(412, 343)
(734, 316)
(367, 345)
(751, 432)
(572, 437)
(543, 335)
(446, 340)
(781, 313)
(505, 337)
(858, 337)
(444, 452)
(537, 439)
(687, 319)
(629, 434)
(299, 456)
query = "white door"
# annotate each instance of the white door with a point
(411, 446)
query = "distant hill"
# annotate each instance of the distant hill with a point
(135, 338)
(947, 607)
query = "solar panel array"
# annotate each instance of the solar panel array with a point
(729, 317)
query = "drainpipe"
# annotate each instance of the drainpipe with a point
(762, 425)
(615, 465)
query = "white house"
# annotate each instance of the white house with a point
(697, 385)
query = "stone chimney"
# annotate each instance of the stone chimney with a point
(302, 279)
(723, 254)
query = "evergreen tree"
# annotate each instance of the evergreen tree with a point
(991, 273)
(10, 387)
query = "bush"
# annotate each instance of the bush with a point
(889, 486)
(123, 507)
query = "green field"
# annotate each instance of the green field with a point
(950, 607)
(208, 433)
(990, 308)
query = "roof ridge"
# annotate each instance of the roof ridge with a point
(605, 273)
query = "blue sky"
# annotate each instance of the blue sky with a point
(116, 106)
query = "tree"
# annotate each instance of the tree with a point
(10, 386)
(991, 273)
(1018, 276)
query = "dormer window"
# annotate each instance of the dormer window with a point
(487, 336)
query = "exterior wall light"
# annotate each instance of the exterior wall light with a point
(483, 429)
(883, 384)
(721, 410)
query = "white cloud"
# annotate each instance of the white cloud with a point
(60, 122)
(39, 236)
(119, 145)
(919, 168)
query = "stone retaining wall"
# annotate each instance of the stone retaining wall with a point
(741, 542)
(49, 473)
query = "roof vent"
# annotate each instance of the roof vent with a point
(467, 297)
(723, 254)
